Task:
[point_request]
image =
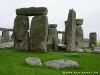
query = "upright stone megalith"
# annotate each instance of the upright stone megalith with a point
(20, 32)
(70, 30)
(5, 36)
(38, 33)
(63, 38)
(79, 33)
(92, 39)
(52, 37)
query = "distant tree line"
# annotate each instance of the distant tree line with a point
(85, 40)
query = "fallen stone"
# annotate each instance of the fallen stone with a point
(79, 50)
(70, 54)
(88, 51)
(33, 61)
(61, 63)
(7, 45)
(97, 48)
(96, 51)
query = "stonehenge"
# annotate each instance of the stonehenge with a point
(34, 38)
(42, 36)
(92, 39)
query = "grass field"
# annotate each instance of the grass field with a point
(12, 63)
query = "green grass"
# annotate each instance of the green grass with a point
(12, 63)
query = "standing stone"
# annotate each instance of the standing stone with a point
(92, 39)
(5, 36)
(63, 38)
(65, 33)
(20, 33)
(70, 31)
(52, 37)
(38, 33)
(79, 33)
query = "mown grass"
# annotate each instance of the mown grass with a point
(12, 63)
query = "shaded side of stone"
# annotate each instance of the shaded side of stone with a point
(20, 33)
(79, 36)
(32, 11)
(38, 33)
(70, 30)
(63, 38)
(92, 39)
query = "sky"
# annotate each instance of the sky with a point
(89, 10)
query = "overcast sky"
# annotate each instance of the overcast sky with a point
(89, 10)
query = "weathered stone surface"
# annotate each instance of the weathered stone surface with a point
(52, 37)
(79, 37)
(5, 36)
(70, 30)
(33, 61)
(79, 50)
(20, 33)
(70, 54)
(32, 11)
(88, 51)
(38, 33)
(92, 39)
(79, 21)
(96, 51)
(61, 63)
(7, 45)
